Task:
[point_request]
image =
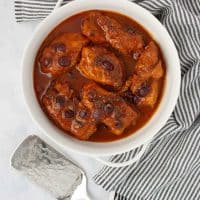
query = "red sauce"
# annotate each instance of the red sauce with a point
(73, 24)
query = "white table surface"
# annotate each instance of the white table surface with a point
(15, 123)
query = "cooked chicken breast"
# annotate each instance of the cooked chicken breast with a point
(108, 108)
(65, 109)
(101, 65)
(62, 53)
(121, 40)
(91, 29)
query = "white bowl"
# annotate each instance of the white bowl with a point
(146, 133)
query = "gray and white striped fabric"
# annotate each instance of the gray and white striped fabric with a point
(29, 10)
(170, 169)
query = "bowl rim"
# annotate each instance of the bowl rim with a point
(167, 104)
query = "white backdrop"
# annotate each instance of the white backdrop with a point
(15, 123)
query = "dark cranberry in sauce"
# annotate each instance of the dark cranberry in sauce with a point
(59, 47)
(92, 95)
(96, 114)
(64, 61)
(104, 63)
(118, 124)
(46, 62)
(143, 90)
(103, 126)
(83, 113)
(71, 74)
(136, 55)
(131, 98)
(135, 99)
(128, 96)
(108, 108)
(108, 65)
(69, 114)
(60, 100)
(130, 30)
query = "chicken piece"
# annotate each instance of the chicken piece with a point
(64, 108)
(91, 29)
(101, 65)
(151, 98)
(122, 117)
(135, 81)
(140, 91)
(147, 60)
(59, 101)
(123, 41)
(148, 66)
(158, 71)
(62, 53)
(93, 97)
(108, 108)
(143, 92)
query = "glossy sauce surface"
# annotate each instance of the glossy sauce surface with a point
(73, 24)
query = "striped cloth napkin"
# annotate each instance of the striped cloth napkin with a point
(170, 169)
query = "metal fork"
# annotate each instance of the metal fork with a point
(81, 191)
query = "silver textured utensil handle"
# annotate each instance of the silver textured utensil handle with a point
(48, 168)
(81, 191)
